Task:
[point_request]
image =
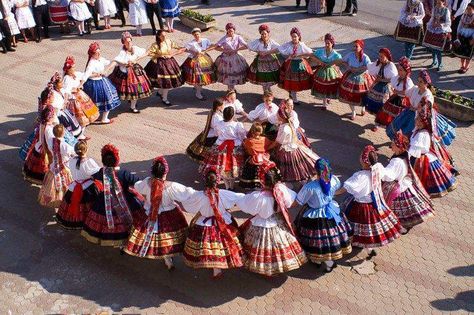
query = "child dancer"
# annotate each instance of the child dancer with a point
(265, 114)
(80, 13)
(231, 100)
(24, 18)
(137, 15)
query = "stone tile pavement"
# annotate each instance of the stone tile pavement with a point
(44, 269)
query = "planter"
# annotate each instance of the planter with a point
(192, 23)
(457, 111)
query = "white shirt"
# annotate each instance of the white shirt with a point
(287, 49)
(360, 184)
(124, 57)
(262, 113)
(231, 130)
(215, 122)
(236, 105)
(40, 3)
(389, 71)
(458, 5)
(420, 143)
(194, 47)
(66, 151)
(397, 170)
(261, 204)
(398, 86)
(57, 102)
(70, 83)
(415, 97)
(198, 202)
(287, 138)
(87, 168)
(97, 66)
(416, 20)
(293, 118)
(48, 135)
(258, 45)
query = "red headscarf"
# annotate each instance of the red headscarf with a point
(69, 63)
(263, 27)
(425, 76)
(361, 44)
(404, 63)
(424, 113)
(330, 38)
(401, 141)
(296, 31)
(229, 26)
(93, 48)
(386, 52)
(364, 157)
(111, 149)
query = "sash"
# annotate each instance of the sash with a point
(156, 196)
(112, 186)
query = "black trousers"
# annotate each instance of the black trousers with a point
(41, 15)
(5, 29)
(298, 2)
(351, 4)
(330, 5)
(120, 6)
(154, 8)
(454, 27)
(95, 17)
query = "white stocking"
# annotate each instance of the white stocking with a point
(133, 104)
(198, 90)
(164, 94)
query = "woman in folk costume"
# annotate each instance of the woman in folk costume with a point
(231, 100)
(79, 198)
(169, 10)
(435, 173)
(107, 9)
(256, 147)
(115, 207)
(295, 73)
(198, 68)
(400, 83)
(268, 238)
(163, 233)
(356, 81)
(231, 66)
(438, 33)
(323, 230)
(464, 44)
(137, 15)
(58, 178)
(129, 78)
(100, 89)
(373, 222)
(265, 68)
(84, 109)
(24, 18)
(202, 144)
(163, 70)
(265, 113)
(11, 21)
(290, 109)
(403, 191)
(405, 121)
(382, 70)
(428, 6)
(293, 158)
(227, 155)
(212, 241)
(327, 75)
(410, 25)
(80, 13)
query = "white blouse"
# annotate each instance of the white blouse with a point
(360, 184)
(215, 122)
(97, 66)
(418, 13)
(124, 57)
(389, 71)
(48, 135)
(194, 47)
(398, 86)
(198, 202)
(293, 118)
(258, 45)
(262, 113)
(261, 204)
(70, 83)
(287, 49)
(58, 101)
(66, 151)
(236, 105)
(231, 130)
(415, 96)
(420, 143)
(397, 170)
(287, 138)
(87, 168)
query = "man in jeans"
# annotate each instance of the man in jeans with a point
(6, 42)
(351, 7)
(153, 6)
(41, 15)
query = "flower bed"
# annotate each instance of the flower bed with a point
(455, 106)
(194, 19)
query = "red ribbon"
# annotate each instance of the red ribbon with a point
(229, 145)
(76, 198)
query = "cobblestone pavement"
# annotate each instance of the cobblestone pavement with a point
(44, 269)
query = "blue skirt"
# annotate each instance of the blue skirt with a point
(103, 93)
(376, 97)
(446, 129)
(170, 8)
(404, 122)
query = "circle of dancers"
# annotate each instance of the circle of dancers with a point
(273, 161)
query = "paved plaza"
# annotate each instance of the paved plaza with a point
(45, 269)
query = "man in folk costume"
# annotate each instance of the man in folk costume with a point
(41, 15)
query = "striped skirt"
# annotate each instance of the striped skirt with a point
(231, 69)
(378, 94)
(273, 250)
(168, 241)
(265, 70)
(84, 109)
(72, 212)
(48, 195)
(407, 34)
(165, 73)
(435, 176)
(35, 167)
(133, 84)
(446, 129)
(405, 122)
(296, 75)
(227, 166)
(296, 165)
(249, 178)
(103, 93)
(391, 109)
(326, 81)
(372, 229)
(410, 209)
(198, 150)
(354, 86)
(199, 70)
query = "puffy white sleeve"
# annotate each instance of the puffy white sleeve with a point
(410, 84)
(254, 114)
(254, 45)
(193, 203)
(303, 195)
(356, 184)
(390, 71)
(104, 61)
(122, 57)
(295, 120)
(229, 198)
(241, 132)
(90, 166)
(305, 49)
(68, 84)
(281, 134)
(179, 192)
(89, 70)
(286, 49)
(372, 68)
(191, 47)
(67, 149)
(288, 195)
(250, 203)
(239, 108)
(139, 52)
(395, 170)
(274, 44)
(143, 186)
(419, 144)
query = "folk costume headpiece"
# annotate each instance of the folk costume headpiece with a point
(325, 174)
(196, 30)
(386, 52)
(401, 141)
(263, 27)
(329, 37)
(46, 114)
(263, 170)
(364, 157)
(296, 31)
(229, 26)
(55, 78)
(93, 48)
(69, 63)
(162, 160)
(283, 111)
(125, 35)
(361, 44)
(110, 149)
(404, 62)
(425, 76)
(424, 114)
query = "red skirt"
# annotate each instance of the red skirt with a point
(437, 41)
(372, 229)
(72, 211)
(168, 241)
(326, 81)
(35, 167)
(296, 75)
(354, 86)
(408, 34)
(391, 109)
(133, 84)
(296, 165)
(227, 166)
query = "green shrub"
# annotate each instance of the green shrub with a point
(198, 16)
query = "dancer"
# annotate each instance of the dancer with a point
(163, 233)
(81, 193)
(25, 19)
(464, 44)
(137, 15)
(115, 207)
(438, 33)
(231, 100)
(356, 81)
(169, 10)
(373, 222)
(227, 155)
(198, 68)
(212, 240)
(58, 178)
(265, 68)
(323, 230)
(257, 148)
(400, 83)
(231, 66)
(327, 75)
(269, 241)
(383, 70)
(410, 25)
(129, 78)
(294, 160)
(202, 144)
(407, 198)
(435, 173)
(163, 70)
(295, 73)
(101, 90)
(79, 11)
(265, 113)
(107, 9)
(81, 105)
